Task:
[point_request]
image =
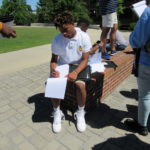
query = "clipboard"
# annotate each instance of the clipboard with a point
(85, 74)
(139, 8)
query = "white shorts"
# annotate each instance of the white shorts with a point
(109, 20)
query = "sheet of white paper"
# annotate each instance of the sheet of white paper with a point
(63, 69)
(55, 88)
(104, 63)
(139, 7)
(138, 4)
(97, 67)
(95, 58)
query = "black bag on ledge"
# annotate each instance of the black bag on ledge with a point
(85, 74)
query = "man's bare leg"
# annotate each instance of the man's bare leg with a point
(113, 37)
(55, 103)
(81, 93)
(81, 99)
(57, 114)
(103, 38)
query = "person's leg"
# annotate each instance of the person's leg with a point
(107, 24)
(103, 38)
(57, 114)
(55, 103)
(144, 95)
(140, 125)
(81, 99)
(113, 36)
(108, 48)
(81, 93)
(114, 28)
(104, 33)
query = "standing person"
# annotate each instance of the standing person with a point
(6, 30)
(109, 22)
(70, 47)
(140, 39)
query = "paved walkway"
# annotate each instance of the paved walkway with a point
(25, 122)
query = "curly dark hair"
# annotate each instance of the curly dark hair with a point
(63, 18)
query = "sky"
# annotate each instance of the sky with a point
(32, 3)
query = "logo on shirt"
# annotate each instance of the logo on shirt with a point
(80, 48)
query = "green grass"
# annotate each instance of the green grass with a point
(27, 37)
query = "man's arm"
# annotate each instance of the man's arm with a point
(53, 65)
(6, 30)
(141, 32)
(94, 48)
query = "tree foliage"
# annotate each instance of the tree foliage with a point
(19, 9)
(120, 6)
(47, 9)
(78, 8)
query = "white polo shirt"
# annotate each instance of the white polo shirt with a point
(70, 50)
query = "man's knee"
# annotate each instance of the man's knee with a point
(115, 28)
(80, 85)
(105, 30)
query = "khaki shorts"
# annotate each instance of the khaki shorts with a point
(109, 20)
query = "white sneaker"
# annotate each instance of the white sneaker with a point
(79, 116)
(58, 116)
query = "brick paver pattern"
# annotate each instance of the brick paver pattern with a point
(25, 117)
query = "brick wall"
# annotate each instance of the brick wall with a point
(106, 82)
(113, 77)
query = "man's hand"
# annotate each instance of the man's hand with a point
(8, 31)
(55, 73)
(72, 76)
(94, 48)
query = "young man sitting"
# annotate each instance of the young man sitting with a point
(70, 47)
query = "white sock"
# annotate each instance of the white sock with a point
(56, 109)
(81, 108)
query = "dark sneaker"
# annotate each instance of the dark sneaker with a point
(113, 52)
(105, 56)
(136, 127)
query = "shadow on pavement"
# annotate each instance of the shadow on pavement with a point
(130, 94)
(99, 117)
(43, 109)
(103, 116)
(128, 142)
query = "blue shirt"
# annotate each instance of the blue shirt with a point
(140, 35)
(108, 6)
